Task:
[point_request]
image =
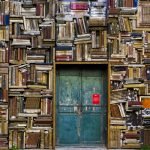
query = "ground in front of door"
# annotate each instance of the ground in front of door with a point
(81, 148)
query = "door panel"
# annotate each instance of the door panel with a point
(78, 120)
(69, 93)
(90, 86)
(68, 132)
(92, 115)
(68, 99)
(90, 129)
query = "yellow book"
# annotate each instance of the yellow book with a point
(118, 127)
(134, 85)
(50, 138)
(1, 34)
(42, 140)
(130, 71)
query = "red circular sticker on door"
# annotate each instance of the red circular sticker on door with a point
(96, 99)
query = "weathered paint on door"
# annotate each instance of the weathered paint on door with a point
(79, 121)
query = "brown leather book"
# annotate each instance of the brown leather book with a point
(33, 140)
(115, 112)
(146, 137)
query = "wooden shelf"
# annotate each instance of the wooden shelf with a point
(78, 63)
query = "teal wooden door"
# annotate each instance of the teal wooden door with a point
(78, 120)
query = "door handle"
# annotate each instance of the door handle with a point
(79, 109)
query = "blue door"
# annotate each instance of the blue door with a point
(79, 120)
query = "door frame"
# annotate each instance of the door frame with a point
(107, 64)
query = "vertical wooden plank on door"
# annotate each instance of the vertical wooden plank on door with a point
(68, 99)
(93, 119)
(108, 107)
(54, 106)
(104, 104)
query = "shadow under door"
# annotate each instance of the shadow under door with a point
(81, 105)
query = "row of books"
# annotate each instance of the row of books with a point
(122, 3)
(34, 8)
(38, 76)
(126, 138)
(25, 27)
(4, 7)
(21, 106)
(31, 139)
(4, 19)
(21, 55)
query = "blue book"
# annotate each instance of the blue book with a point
(1, 94)
(6, 20)
(64, 48)
(135, 34)
(135, 3)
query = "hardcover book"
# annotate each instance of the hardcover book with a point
(79, 6)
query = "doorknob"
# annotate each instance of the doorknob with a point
(79, 110)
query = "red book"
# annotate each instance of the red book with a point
(131, 136)
(49, 106)
(130, 103)
(64, 56)
(79, 6)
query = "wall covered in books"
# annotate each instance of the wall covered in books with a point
(128, 30)
(31, 44)
(81, 28)
(37, 34)
(4, 48)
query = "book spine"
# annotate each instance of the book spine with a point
(79, 6)
(42, 140)
(50, 138)
(6, 20)
(135, 3)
